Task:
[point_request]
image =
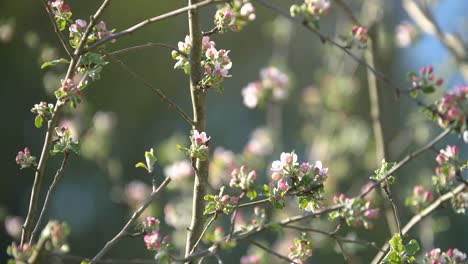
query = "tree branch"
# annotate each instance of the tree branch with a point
(32, 210)
(65, 44)
(419, 217)
(132, 29)
(148, 45)
(270, 251)
(199, 118)
(57, 177)
(125, 230)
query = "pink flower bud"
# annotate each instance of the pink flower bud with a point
(243, 168)
(234, 173)
(437, 170)
(454, 149)
(275, 176)
(427, 196)
(166, 239)
(440, 81)
(430, 69)
(449, 252)
(440, 158)
(283, 185)
(225, 199)
(252, 175)
(418, 190)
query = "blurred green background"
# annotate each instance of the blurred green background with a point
(326, 117)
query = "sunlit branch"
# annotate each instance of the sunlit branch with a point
(125, 230)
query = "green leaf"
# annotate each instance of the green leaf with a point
(414, 93)
(395, 241)
(412, 247)
(84, 262)
(252, 194)
(209, 197)
(428, 89)
(38, 121)
(53, 63)
(141, 165)
(75, 147)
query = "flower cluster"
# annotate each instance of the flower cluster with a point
(425, 81)
(69, 92)
(301, 250)
(44, 111)
(273, 85)
(420, 198)
(306, 179)
(220, 203)
(245, 181)
(234, 15)
(460, 203)
(452, 256)
(356, 211)
(215, 63)
(64, 142)
(78, 28)
(61, 13)
(359, 37)
(150, 224)
(312, 9)
(179, 170)
(56, 234)
(401, 253)
(446, 171)
(199, 145)
(154, 241)
(25, 160)
(453, 109)
(405, 34)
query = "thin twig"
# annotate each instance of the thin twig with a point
(142, 24)
(65, 44)
(124, 231)
(147, 45)
(150, 86)
(211, 32)
(203, 232)
(419, 217)
(32, 210)
(57, 177)
(333, 236)
(409, 157)
(270, 251)
(234, 214)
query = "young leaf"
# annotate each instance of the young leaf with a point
(38, 121)
(53, 63)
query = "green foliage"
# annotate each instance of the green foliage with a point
(383, 171)
(401, 253)
(53, 63)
